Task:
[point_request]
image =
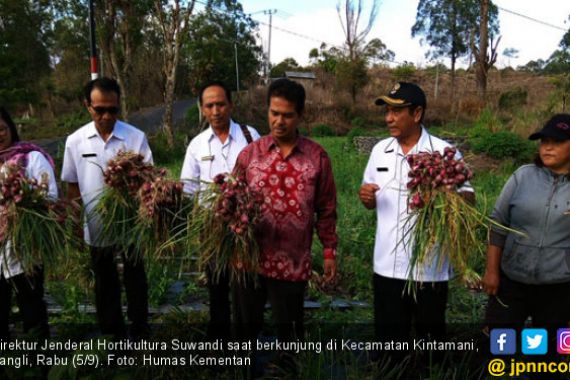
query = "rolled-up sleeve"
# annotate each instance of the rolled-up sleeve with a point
(190, 174)
(69, 168)
(325, 205)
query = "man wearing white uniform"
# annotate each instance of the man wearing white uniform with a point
(384, 189)
(212, 152)
(87, 152)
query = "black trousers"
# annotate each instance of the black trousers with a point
(219, 326)
(396, 312)
(286, 299)
(548, 305)
(108, 293)
(29, 291)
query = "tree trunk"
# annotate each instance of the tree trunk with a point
(174, 29)
(482, 61)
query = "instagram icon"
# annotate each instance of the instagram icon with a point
(563, 341)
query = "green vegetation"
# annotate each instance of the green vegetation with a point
(322, 130)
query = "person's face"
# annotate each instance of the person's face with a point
(104, 109)
(5, 135)
(216, 107)
(555, 155)
(401, 123)
(283, 119)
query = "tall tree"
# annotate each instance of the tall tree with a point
(448, 26)
(353, 63)
(173, 21)
(222, 45)
(119, 25)
(24, 55)
(484, 58)
(288, 64)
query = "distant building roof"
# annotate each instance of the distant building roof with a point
(300, 74)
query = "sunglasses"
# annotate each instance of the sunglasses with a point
(103, 110)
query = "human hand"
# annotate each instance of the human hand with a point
(367, 195)
(490, 282)
(329, 268)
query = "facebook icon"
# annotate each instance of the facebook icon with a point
(503, 341)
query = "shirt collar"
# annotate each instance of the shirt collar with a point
(299, 144)
(424, 144)
(232, 134)
(118, 131)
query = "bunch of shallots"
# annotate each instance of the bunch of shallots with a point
(162, 213)
(441, 224)
(16, 188)
(225, 224)
(128, 171)
(237, 205)
(434, 171)
(139, 207)
(34, 228)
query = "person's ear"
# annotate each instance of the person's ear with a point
(418, 114)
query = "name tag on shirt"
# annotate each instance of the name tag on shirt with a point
(89, 155)
(207, 158)
(382, 169)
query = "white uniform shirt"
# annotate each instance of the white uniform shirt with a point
(388, 168)
(37, 166)
(86, 157)
(206, 156)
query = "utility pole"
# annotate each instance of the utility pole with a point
(269, 12)
(94, 71)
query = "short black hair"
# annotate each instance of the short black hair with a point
(217, 83)
(289, 90)
(4, 115)
(103, 84)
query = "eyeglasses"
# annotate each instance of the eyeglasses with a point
(103, 110)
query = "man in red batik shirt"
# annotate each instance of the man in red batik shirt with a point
(294, 175)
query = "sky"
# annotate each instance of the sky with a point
(300, 25)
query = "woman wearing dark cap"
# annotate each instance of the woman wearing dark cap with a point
(28, 288)
(528, 274)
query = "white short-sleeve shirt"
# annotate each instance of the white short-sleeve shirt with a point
(206, 156)
(388, 168)
(86, 157)
(37, 166)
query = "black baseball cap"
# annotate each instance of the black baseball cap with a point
(557, 128)
(403, 94)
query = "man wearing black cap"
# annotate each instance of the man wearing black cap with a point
(384, 189)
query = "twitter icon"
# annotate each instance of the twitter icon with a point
(534, 341)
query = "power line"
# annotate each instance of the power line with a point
(532, 19)
(219, 10)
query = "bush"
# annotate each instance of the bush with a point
(509, 100)
(193, 116)
(504, 144)
(487, 122)
(404, 72)
(356, 132)
(162, 153)
(358, 122)
(322, 130)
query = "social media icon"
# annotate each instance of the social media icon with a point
(534, 341)
(563, 341)
(503, 341)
